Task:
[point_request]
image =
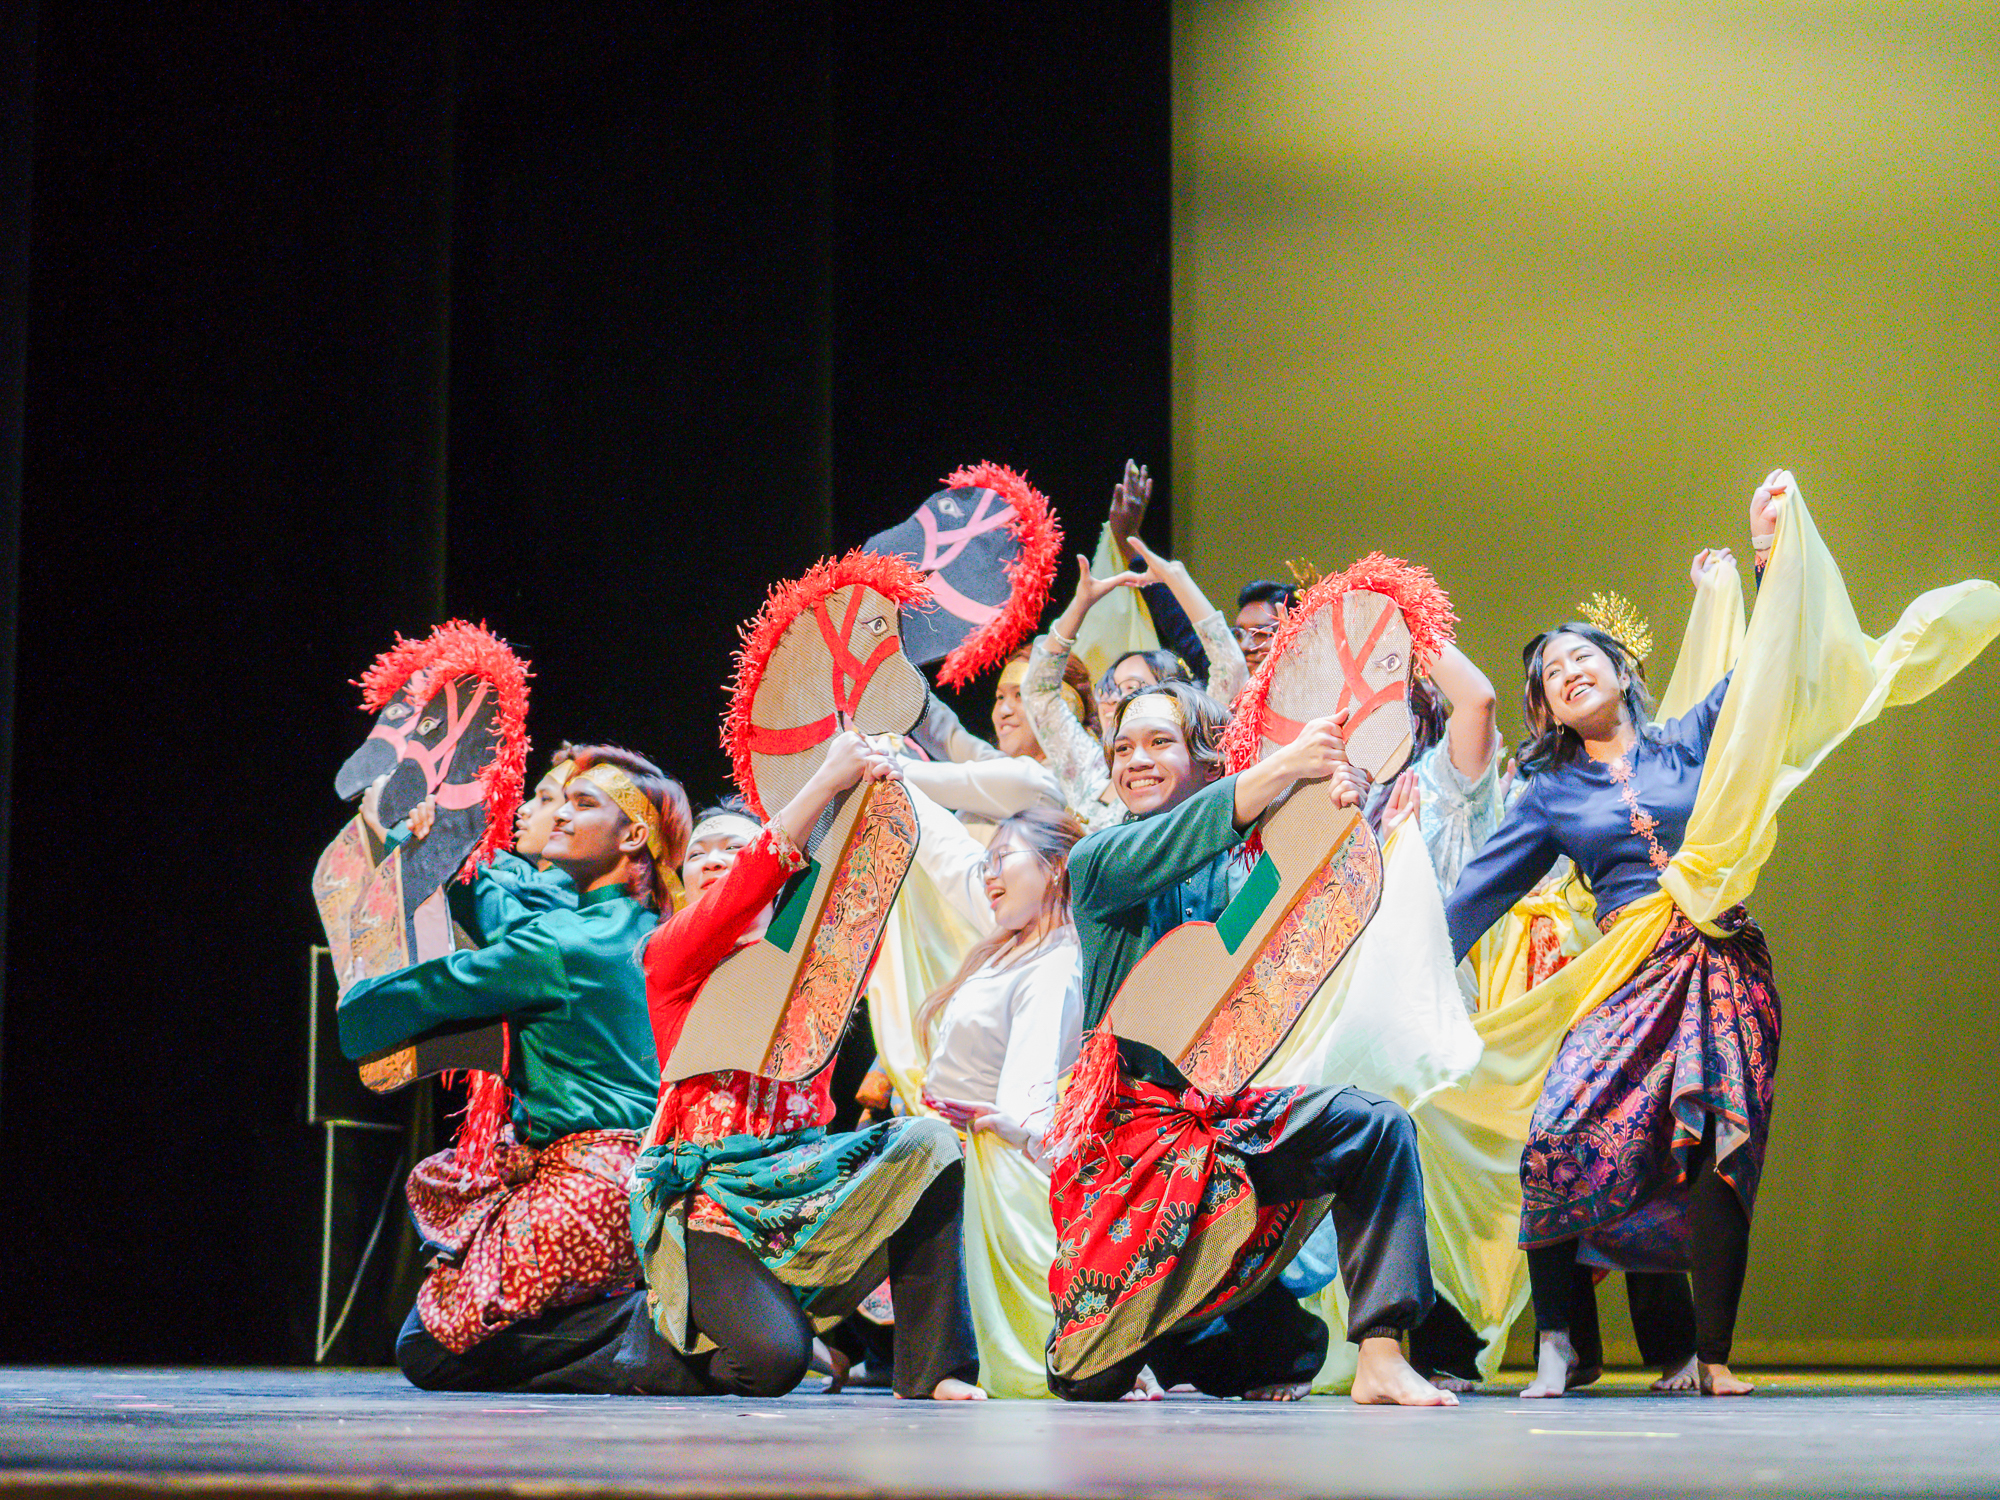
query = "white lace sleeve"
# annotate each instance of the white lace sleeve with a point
(1073, 752)
(1457, 813)
(1228, 672)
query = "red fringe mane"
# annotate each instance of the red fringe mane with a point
(893, 577)
(458, 648)
(1426, 610)
(1029, 576)
(1087, 1096)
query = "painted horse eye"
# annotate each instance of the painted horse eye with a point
(878, 626)
(1391, 662)
(430, 722)
(951, 507)
(396, 712)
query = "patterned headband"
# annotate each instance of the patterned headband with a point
(635, 804)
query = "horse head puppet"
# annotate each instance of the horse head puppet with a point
(822, 655)
(987, 545)
(1217, 998)
(450, 727)
(825, 653)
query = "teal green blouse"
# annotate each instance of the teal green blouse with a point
(569, 982)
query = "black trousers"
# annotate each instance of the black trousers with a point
(1662, 1318)
(764, 1340)
(603, 1348)
(1361, 1149)
(1720, 1231)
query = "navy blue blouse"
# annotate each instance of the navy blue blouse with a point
(1621, 821)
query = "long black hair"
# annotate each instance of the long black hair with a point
(1550, 743)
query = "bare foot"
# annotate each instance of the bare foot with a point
(957, 1390)
(1555, 1357)
(832, 1364)
(1717, 1381)
(1146, 1388)
(1296, 1390)
(1444, 1380)
(1684, 1377)
(1382, 1377)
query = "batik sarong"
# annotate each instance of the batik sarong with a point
(541, 1228)
(1157, 1224)
(1690, 1038)
(817, 1209)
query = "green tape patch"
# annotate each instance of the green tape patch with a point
(1242, 913)
(792, 910)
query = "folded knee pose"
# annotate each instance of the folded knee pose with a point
(1174, 1210)
(533, 1288)
(754, 1225)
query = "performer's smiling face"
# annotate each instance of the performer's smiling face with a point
(1012, 731)
(589, 834)
(1017, 882)
(712, 850)
(1151, 765)
(1582, 686)
(537, 817)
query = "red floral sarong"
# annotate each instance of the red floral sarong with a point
(1156, 1222)
(542, 1229)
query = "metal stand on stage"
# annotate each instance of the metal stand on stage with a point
(337, 1104)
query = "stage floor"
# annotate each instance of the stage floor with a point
(117, 1432)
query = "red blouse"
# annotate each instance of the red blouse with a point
(682, 952)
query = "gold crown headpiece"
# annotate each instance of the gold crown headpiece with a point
(1619, 618)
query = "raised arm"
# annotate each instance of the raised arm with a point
(996, 788)
(1472, 731)
(1227, 671)
(1074, 752)
(953, 859)
(1123, 866)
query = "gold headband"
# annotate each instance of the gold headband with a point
(562, 770)
(1173, 709)
(635, 804)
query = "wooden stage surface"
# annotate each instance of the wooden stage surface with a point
(86, 1433)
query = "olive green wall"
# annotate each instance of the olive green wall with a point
(1535, 296)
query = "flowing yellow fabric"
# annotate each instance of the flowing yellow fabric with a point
(1711, 643)
(1010, 1243)
(1010, 1234)
(1389, 1019)
(1119, 622)
(1806, 678)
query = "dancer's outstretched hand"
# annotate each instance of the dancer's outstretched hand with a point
(1129, 499)
(1767, 500)
(1708, 562)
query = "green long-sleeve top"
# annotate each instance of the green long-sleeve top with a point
(1133, 883)
(507, 892)
(569, 982)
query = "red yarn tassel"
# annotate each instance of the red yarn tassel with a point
(1092, 1082)
(488, 1103)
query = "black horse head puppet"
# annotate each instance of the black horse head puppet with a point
(450, 726)
(987, 545)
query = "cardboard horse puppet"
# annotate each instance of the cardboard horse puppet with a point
(822, 655)
(1217, 998)
(987, 545)
(450, 716)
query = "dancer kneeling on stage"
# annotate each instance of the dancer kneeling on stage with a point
(754, 1225)
(534, 1285)
(1175, 1210)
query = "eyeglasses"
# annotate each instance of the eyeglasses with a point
(1248, 636)
(991, 866)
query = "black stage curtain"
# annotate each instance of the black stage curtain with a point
(590, 321)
